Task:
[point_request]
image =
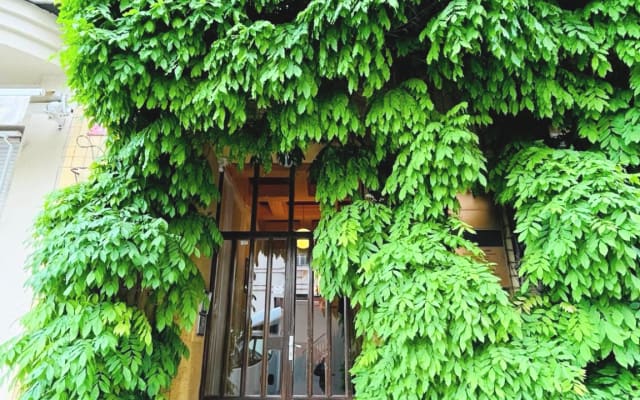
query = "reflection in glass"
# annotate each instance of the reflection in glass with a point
(301, 350)
(237, 316)
(259, 314)
(276, 296)
(266, 312)
(273, 205)
(274, 368)
(277, 307)
(337, 347)
(320, 345)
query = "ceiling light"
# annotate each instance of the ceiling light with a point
(303, 244)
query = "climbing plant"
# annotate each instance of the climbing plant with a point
(415, 102)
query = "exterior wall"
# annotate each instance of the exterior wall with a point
(29, 37)
(45, 162)
(29, 29)
(35, 175)
(483, 215)
(186, 385)
(82, 148)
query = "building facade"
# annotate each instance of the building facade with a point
(267, 332)
(44, 144)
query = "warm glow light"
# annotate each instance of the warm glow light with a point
(303, 244)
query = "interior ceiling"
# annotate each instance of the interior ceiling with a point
(19, 68)
(273, 198)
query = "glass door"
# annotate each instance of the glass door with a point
(248, 319)
(270, 335)
(320, 335)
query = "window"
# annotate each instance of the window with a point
(9, 146)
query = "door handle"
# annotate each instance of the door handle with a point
(246, 275)
(291, 348)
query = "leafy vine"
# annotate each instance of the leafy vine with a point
(414, 102)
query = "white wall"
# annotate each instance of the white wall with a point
(29, 29)
(29, 39)
(35, 173)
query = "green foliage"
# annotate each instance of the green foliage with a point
(592, 331)
(436, 161)
(611, 382)
(434, 321)
(341, 172)
(115, 285)
(579, 218)
(94, 349)
(409, 98)
(577, 214)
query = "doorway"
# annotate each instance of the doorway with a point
(270, 334)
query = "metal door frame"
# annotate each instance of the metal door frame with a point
(289, 294)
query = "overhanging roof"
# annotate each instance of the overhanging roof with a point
(45, 5)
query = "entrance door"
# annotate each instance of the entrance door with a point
(270, 333)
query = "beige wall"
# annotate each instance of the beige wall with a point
(481, 213)
(186, 385)
(81, 150)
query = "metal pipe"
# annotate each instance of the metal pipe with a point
(22, 91)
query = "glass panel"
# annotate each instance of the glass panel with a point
(235, 211)
(217, 322)
(320, 344)
(300, 348)
(301, 328)
(237, 319)
(273, 205)
(337, 348)
(277, 308)
(277, 295)
(259, 314)
(274, 368)
(254, 366)
(306, 213)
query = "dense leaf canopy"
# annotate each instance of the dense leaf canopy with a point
(415, 102)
